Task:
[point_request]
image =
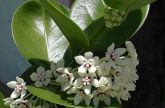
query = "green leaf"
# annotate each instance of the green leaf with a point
(1, 101)
(85, 12)
(72, 32)
(128, 5)
(101, 37)
(36, 35)
(53, 94)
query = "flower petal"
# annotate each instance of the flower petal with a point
(95, 83)
(107, 100)
(92, 69)
(87, 100)
(120, 51)
(79, 59)
(8, 101)
(59, 79)
(60, 70)
(131, 86)
(60, 63)
(12, 84)
(23, 93)
(19, 80)
(87, 89)
(78, 83)
(96, 101)
(38, 84)
(40, 69)
(125, 96)
(34, 77)
(72, 90)
(88, 55)
(96, 60)
(65, 86)
(15, 94)
(111, 48)
(48, 74)
(82, 71)
(78, 99)
(53, 66)
(46, 82)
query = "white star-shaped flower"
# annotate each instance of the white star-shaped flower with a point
(41, 77)
(99, 95)
(19, 87)
(20, 103)
(113, 54)
(80, 96)
(66, 78)
(8, 101)
(55, 66)
(104, 69)
(105, 83)
(87, 62)
(122, 92)
(86, 83)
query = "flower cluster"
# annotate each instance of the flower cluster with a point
(16, 99)
(93, 79)
(113, 17)
(100, 79)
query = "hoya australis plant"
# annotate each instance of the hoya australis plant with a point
(75, 62)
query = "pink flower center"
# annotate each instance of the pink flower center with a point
(113, 56)
(87, 80)
(42, 77)
(88, 63)
(20, 87)
(67, 77)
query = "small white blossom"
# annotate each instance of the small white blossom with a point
(99, 95)
(87, 62)
(55, 66)
(86, 83)
(19, 87)
(80, 96)
(113, 54)
(19, 103)
(122, 92)
(104, 69)
(41, 77)
(66, 78)
(105, 83)
(8, 101)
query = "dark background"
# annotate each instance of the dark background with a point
(150, 45)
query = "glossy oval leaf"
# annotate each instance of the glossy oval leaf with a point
(72, 32)
(36, 35)
(99, 36)
(53, 94)
(127, 4)
(84, 12)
